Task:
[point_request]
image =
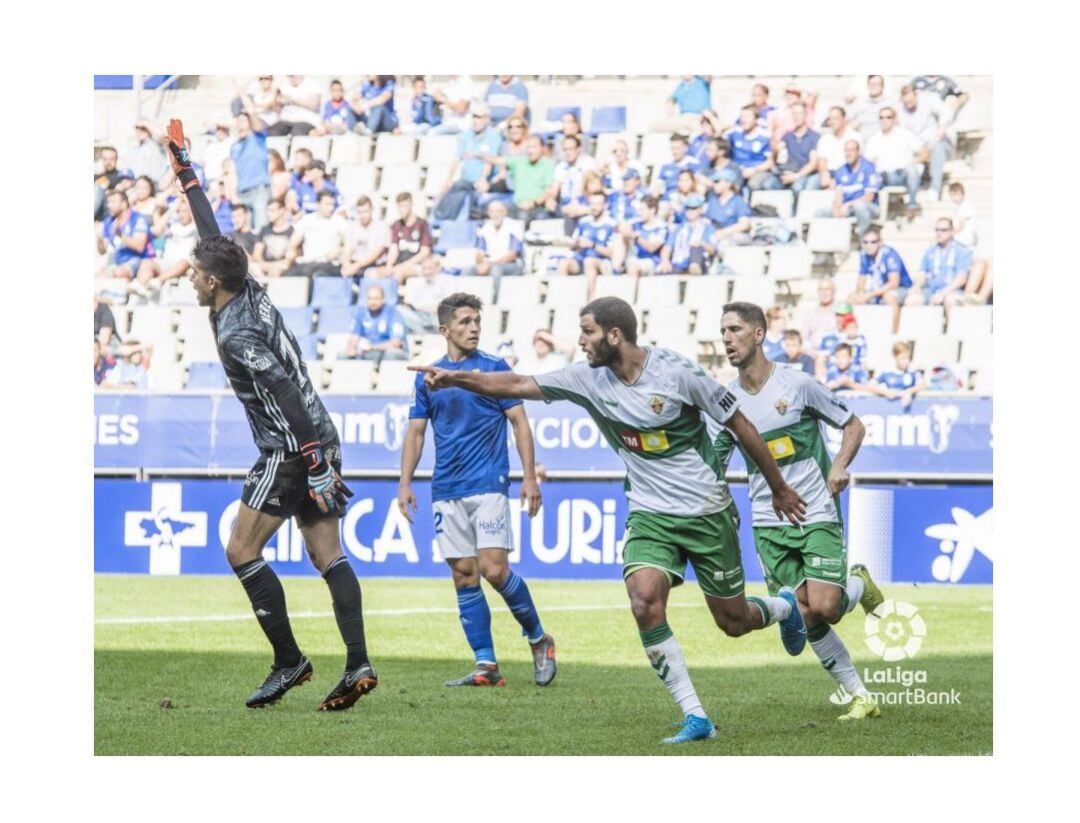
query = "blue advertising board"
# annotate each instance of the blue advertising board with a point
(169, 527)
(941, 435)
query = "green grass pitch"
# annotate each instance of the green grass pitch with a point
(606, 699)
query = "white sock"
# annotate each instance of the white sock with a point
(834, 657)
(773, 609)
(855, 588)
(667, 661)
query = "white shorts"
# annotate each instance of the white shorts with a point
(481, 521)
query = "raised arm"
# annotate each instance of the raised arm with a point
(502, 384)
(205, 222)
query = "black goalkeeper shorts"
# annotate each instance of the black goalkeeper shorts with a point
(278, 485)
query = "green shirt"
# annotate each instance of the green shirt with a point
(530, 180)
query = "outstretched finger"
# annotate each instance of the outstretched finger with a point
(424, 369)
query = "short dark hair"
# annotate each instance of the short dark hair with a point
(457, 300)
(324, 194)
(239, 207)
(843, 346)
(277, 201)
(224, 259)
(419, 78)
(109, 148)
(401, 198)
(957, 186)
(613, 313)
(792, 334)
(873, 230)
(679, 138)
(363, 200)
(576, 140)
(651, 201)
(748, 312)
(335, 82)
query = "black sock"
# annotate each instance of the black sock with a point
(345, 593)
(268, 600)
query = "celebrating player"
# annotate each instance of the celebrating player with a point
(648, 403)
(787, 406)
(469, 492)
(298, 470)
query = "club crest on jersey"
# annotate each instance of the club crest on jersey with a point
(256, 362)
(781, 406)
(656, 403)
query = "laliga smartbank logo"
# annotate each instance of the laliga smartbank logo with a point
(895, 632)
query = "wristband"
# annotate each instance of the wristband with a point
(313, 456)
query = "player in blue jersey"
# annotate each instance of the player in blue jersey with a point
(469, 492)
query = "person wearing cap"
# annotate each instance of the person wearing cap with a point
(692, 244)
(883, 277)
(847, 333)
(644, 239)
(313, 183)
(726, 208)
(751, 149)
(471, 173)
(856, 184)
(799, 167)
(593, 241)
(665, 180)
(623, 205)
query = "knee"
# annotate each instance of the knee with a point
(495, 574)
(731, 627)
(238, 552)
(647, 610)
(825, 613)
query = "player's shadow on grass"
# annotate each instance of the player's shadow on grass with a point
(158, 702)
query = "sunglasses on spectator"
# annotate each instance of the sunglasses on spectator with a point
(942, 229)
(886, 117)
(873, 242)
(517, 125)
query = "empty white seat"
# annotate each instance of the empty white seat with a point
(349, 150)
(874, 321)
(616, 286)
(707, 293)
(352, 181)
(178, 292)
(549, 227)
(520, 291)
(879, 357)
(780, 199)
(434, 178)
(984, 379)
(658, 291)
(522, 322)
(318, 146)
(430, 348)
(745, 261)
(668, 321)
(921, 321)
(334, 345)
(288, 292)
(655, 148)
(566, 291)
(391, 149)
(482, 287)
(758, 290)
(396, 179)
(437, 149)
(149, 324)
(280, 145)
(971, 321)
(315, 374)
(790, 262)
(566, 322)
(976, 351)
(930, 351)
(113, 289)
(461, 257)
(165, 375)
(350, 376)
(812, 201)
(200, 349)
(829, 235)
(395, 378)
(193, 321)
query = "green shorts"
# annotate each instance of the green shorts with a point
(789, 555)
(710, 542)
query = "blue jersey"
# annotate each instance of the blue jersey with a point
(597, 229)
(854, 371)
(727, 213)
(379, 328)
(425, 110)
(858, 346)
(853, 183)
(308, 198)
(623, 207)
(135, 224)
(651, 232)
(692, 96)
(749, 148)
(942, 264)
(888, 262)
(370, 91)
(687, 233)
(339, 114)
(773, 349)
(898, 380)
(470, 433)
(669, 172)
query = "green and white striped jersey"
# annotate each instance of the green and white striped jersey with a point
(656, 427)
(788, 412)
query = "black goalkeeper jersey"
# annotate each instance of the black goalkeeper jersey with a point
(264, 367)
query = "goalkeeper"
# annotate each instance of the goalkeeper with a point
(298, 470)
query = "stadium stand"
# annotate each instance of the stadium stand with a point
(797, 237)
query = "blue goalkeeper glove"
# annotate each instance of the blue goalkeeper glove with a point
(324, 484)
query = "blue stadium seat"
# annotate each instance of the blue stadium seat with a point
(556, 112)
(206, 376)
(297, 320)
(308, 346)
(331, 291)
(606, 119)
(336, 320)
(388, 284)
(458, 234)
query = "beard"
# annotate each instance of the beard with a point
(604, 355)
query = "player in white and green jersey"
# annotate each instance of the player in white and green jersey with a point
(788, 407)
(648, 404)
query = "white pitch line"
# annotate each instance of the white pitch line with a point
(226, 618)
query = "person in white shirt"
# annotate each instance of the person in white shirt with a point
(419, 311)
(178, 226)
(499, 247)
(456, 99)
(965, 219)
(319, 240)
(366, 241)
(898, 156)
(216, 152)
(300, 101)
(546, 354)
(926, 116)
(263, 93)
(830, 147)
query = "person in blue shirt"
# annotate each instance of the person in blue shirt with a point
(673, 203)
(337, 115)
(594, 241)
(726, 208)
(126, 233)
(374, 103)
(799, 171)
(645, 238)
(776, 320)
(883, 277)
(751, 149)
(709, 130)
(901, 384)
(507, 97)
(843, 372)
(623, 205)
(664, 181)
(379, 331)
(425, 111)
(475, 167)
(856, 183)
(251, 162)
(944, 270)
(470, 492)
(759, 101)
(847, 333)
(792, 353)
(716, 157)
(691, 246)
(691, 95)
(311, 185)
